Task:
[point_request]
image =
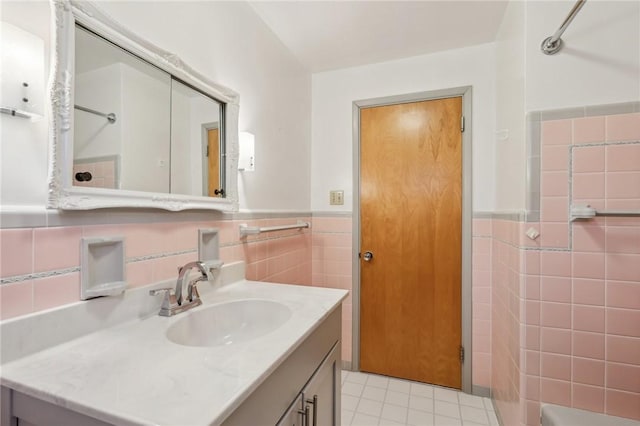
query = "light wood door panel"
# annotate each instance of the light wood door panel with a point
(411, 220)
(213, 152)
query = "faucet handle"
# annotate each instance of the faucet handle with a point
(169, 301)
(158, 291)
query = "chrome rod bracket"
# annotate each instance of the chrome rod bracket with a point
(553, 44)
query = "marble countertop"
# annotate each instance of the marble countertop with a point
(131, 374)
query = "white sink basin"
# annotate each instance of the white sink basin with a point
(228, 323)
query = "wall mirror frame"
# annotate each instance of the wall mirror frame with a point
(62, 193)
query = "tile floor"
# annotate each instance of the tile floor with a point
(372, 400)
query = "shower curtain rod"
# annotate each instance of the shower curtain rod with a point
(111, 117)
(553, 44)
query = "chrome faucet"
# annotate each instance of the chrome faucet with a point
(174, 302)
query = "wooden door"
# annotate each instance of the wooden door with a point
(213, 154)
(411, 220)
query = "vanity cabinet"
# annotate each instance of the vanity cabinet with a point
(311, 372)
(319, 402)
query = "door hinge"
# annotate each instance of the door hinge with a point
(461, 353)
(462, 123)
(207, 150)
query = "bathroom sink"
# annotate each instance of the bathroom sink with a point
(229, 323)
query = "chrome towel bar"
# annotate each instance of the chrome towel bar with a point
(253, 230)
(111, 117)
(553, 44)
(588, 212)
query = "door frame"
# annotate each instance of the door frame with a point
(205, 127)
(467, 215)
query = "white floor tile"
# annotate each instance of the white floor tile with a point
(357, 377)
(349, 402)
(488, 404)
(445, 395)
(470, 400)
(419, 418)
(373, 400)
(397, 398)
(369, 407)
(448, 409)
(347, 415)
(447, 421)
(477, 415)
(354, 389)
(420, 389)
(376, 394)
(385, 422)
(394, 412)
(420, 403)
(399, 385)
(360, 419)
(378, 381)
(468, 423)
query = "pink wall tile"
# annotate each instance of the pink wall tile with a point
(556, 132)
(588, 292)
(623, 157)
(623, 185)
(588, 130)
(555, 391)
(554, 209)
(588, 238)
(555, 366)
(622, 294)
(589, 398)
(588, 345)
(588, 186)
(554, 158)
(623, 322)
(623, 267)
(532, 259)
(623, 377)
(16, 252)
(16, 299)
(56, 248)
(555, 340)
(588, 159)
(555, 315)
(555, 184)
(623, 239)
(588, 371)
(553, 263)
(56, 291)
(623, 404)
(532, 362)
(623, 127)
(623, 349)
(588, 265)
(139, 273)
(555, 289)
(588, 318)
(554, 235)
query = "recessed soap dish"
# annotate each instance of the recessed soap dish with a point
(102, 266)
(208, 244)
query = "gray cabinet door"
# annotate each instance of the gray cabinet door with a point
(322, 392)
(294, 415)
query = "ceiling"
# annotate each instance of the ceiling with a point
(327, 35)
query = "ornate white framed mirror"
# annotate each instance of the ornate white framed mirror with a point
(132, 125)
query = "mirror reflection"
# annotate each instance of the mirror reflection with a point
(138, 128)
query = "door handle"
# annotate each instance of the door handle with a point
(305, 416)
(367, 256)
(314, 403)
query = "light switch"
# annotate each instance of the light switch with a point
(336, 198)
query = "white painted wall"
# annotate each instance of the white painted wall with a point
(229, 43)
(24, 144)
(600, 62)
(101, 90)
(335, 91)
(510, 144)
(146, 124)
